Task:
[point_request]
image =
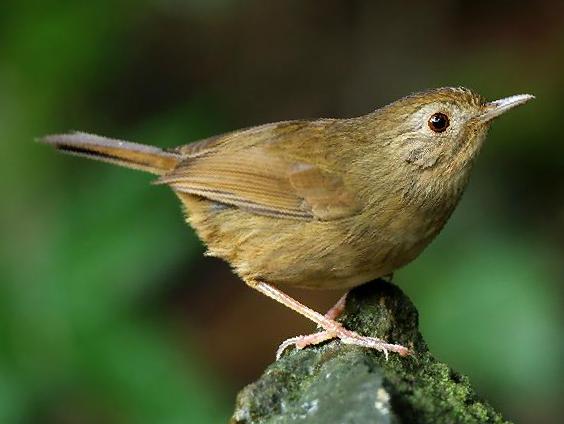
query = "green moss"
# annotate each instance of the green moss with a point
(347, 384)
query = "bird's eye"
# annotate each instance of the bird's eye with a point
(438, 122)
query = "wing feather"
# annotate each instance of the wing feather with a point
(262, 180)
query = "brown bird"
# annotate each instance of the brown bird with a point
(329, 203)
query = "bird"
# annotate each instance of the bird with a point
(320, 204)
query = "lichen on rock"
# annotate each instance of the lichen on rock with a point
(337, 383)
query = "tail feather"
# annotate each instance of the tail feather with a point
(124, 153)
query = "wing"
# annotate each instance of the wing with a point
(262, 179)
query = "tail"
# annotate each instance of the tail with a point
(124, 153)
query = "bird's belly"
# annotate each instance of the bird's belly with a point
(309, 254)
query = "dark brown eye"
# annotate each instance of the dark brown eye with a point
(438, 122)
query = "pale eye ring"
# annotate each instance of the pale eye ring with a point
(438, 122)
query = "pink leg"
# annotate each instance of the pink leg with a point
(332, 328)
(338, 308)
(315, 338)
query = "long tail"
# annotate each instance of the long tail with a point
(124, 153)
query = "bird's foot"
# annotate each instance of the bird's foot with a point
(346, 336)
(331, 328)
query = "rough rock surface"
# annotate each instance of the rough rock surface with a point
(336, 383)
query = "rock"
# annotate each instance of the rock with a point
(337, 383)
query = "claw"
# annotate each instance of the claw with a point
(346, 337)
(303, 341)
(286, 344)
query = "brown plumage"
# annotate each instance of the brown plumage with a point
(330, 203)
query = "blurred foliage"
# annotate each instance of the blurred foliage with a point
(91, 256)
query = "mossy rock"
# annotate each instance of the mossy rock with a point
(337, 383)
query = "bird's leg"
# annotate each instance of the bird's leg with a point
(332, 329)
(338, 308)
(315, 338)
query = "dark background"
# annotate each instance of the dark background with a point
(108, 311)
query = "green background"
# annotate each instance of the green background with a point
(108, 311)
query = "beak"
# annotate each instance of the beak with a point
(497, 107)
